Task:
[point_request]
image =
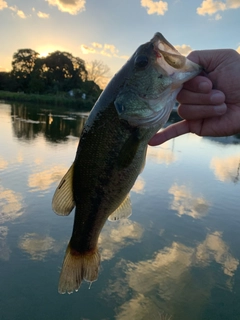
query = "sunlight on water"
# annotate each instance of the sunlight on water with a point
(176, 257)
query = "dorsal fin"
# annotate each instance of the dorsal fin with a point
(63, 201)
(123, 211)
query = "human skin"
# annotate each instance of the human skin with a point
(209, 103)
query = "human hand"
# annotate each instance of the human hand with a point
(209, 105)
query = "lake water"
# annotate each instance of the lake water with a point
(177, 257)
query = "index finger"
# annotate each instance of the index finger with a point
(199, 84)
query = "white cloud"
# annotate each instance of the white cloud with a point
(185, 203)
(21, 14)
(43, 179)
(233, 4)
(86, 50)
(184, 49)
(226, 169)
(108, 50)
(3, 4)
(11, 204)
(238, 49)
(210, 7)
(43, 15)
(97, 45)
(38, 246)
(69, 6)
(218, 16)
(158, 7)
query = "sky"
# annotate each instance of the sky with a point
(111, 30)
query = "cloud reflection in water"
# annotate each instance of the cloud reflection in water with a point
(185, 203)
(226, 169)
(38, 246)
(10, 205)
(43, 179)
(163, 282)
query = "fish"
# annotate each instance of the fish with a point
(112, 150)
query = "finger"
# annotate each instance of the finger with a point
(170, 132)
(197, 112)
(198, 84)
(213, 97)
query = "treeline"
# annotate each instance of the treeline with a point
(59, 72)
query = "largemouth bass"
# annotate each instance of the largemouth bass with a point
(112, 150)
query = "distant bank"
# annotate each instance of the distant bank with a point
(49, 99)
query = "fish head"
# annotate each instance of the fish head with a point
(157, 73)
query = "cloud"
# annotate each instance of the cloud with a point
(214, 247)
(38, 246)
(138, 186)
(184, 49)
(86, 50)
(70, 6)
(11, 204)
(210, 7)
(3, 4)
(141, 307)
(187, 204)
(226, 169)
(43, 15)
(218, 17)
(3, 163)
(117, 235)
(108, 50)
(159, 7)
(162, 154)
(97, 45)
(166, 275)
(19, 13)
(43, 179)
(238, 49)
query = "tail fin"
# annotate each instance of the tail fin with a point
(77, 267)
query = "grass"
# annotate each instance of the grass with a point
(49, 99)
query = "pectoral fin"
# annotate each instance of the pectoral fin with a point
(123, 211)
(63, 201)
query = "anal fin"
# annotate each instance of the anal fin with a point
(63, 202)
(123, 211)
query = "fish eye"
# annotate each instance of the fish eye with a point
(141, 61)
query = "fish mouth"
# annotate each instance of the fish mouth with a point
(177, 66)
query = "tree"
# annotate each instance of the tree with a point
(98, 72)
(23, 64)
(63, 72)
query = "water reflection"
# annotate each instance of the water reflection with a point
(39, 246)
(28, 123)
(139, 186)
(185, 203)
(43, 179)
(3, 163)
(162, 283)
(214, 248)
(226, 169)
(155, 265)
(117, 235)
(11, 204)
(4, 248)
(163, 154)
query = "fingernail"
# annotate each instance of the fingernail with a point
(219, 110)
(204, 87)
(217, 98)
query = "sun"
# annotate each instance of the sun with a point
(46, 49)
